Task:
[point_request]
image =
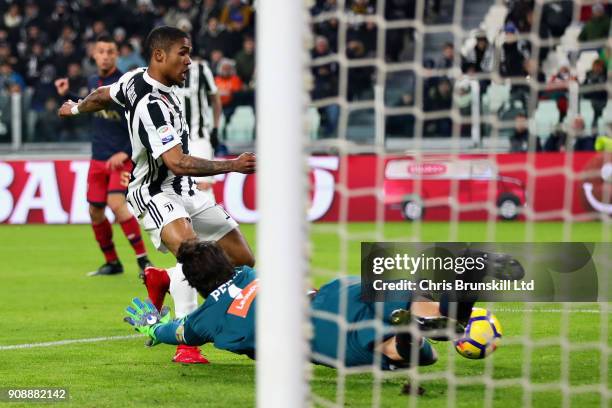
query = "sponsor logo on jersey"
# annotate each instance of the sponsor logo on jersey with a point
(216, 294)
(243, 300)
(165, 134)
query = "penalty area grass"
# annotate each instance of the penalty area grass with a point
(47, 297)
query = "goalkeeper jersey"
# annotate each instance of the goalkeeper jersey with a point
(227, 317)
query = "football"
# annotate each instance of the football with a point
(482, 335)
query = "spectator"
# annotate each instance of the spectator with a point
(67, 56)
(210, 9)
(228, 84)
(97, 29)
(514, 54)
(400, 9)
(145, 16)
(557, 140)
(216, 56)
(556, 17)
(214, 37)
(48, 126)
(9, 78)
(598, 27)
(363, 32)
(325, 86)
(12, 18)
(32, 65)
(520, 13)
(44, 89)
(60, 17)
(129, 58)
(521, 140)
(119, 35)
(583, 142)
(360, 79)
(245, 60)
(438, 96)
(32, 14)
(184, 10)
(447, 58)
(35, 34)
(68, 35)
(6, 55)
(324, 6)
(557, 89)
(78, 83)
(480, 57)
(236, 16)
(597, 78)
(362, 7)
(329, 30)
(87, 63)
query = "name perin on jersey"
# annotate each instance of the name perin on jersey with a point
(156, 124)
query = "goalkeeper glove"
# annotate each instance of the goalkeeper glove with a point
(145, 318)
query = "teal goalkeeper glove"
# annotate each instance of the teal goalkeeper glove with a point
(145, 318)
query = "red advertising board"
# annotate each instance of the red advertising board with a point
(358, 187)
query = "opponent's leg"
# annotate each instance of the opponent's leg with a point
(129, 225)
(103, 232)
(97, 186)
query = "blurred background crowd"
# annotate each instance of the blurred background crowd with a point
(427, 73)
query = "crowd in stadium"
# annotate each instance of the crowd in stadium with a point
(42, 41)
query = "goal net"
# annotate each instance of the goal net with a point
(431, 121)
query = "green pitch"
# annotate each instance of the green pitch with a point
(46, 297)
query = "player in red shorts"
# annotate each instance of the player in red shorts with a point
(110, 168)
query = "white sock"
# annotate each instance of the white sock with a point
(185, 297)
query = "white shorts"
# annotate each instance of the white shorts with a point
(210, 221)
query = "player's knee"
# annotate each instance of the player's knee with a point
(117, 204)
(96, 213)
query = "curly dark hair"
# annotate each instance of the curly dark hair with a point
(205, 265)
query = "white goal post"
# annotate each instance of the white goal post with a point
(281, 231)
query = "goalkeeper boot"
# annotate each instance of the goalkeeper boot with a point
(109, 268)
(157, 283)
(143, 263)
(189, 355)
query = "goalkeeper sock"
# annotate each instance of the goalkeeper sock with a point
(185, 297)
(104, 235)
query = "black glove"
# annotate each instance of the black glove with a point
(214, 138)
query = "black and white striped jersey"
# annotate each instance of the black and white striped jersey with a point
(199, 85)
(156, 124)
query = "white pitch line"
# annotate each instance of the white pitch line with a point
(132, 336)
(66, 342)
(595, 311)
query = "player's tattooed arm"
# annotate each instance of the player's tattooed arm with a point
(185, 165)
(97, 100)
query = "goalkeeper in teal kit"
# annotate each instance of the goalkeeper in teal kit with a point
(227, 317)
